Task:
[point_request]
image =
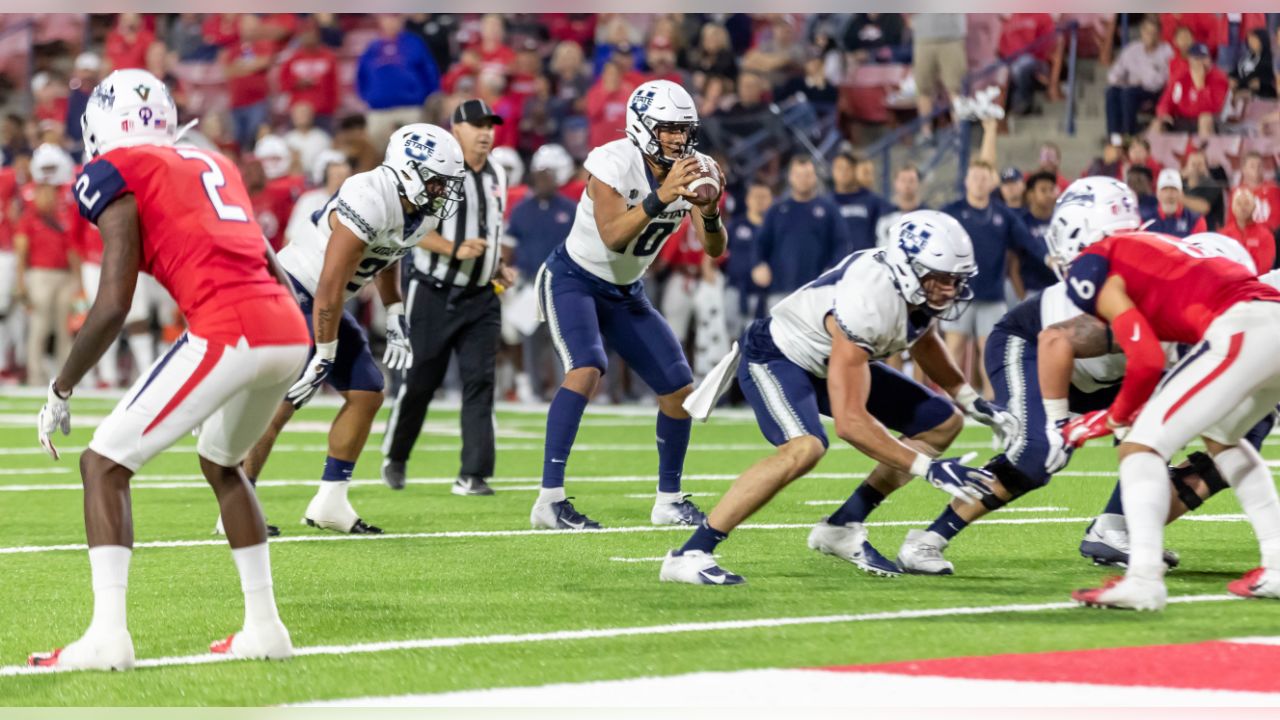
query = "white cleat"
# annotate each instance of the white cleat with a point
(682, 512)
(695, 567)
(1257, 583)
(1126, 593)
(849, 542)
(330, 510)
(218, 529)
(921, 554)
(94, 651)
(259, 643)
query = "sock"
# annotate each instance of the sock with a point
(1144, 482)
(337, 470)
(144, 352)
(669, 498)
(254, 564)
(551, 494)
(673, 443)
(705, 538)
(1115, 505)
(858, 506)
(1249, 477)
(110, 567)
(563, 418)
(948, 524)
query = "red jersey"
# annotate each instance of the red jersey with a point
(273, 204)
(198, 240)
(86, 240)
(1182, 99)
(8, 192)
(254, 87)
(1176, 288)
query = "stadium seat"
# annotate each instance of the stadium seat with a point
(1224, 150)
(1168, 148)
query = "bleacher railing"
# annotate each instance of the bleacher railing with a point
(959, 142)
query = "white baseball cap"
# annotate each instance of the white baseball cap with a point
(1169, 178)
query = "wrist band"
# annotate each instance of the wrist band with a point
(711, 223)
(652, 205)
(966, 396)
(1056, 409)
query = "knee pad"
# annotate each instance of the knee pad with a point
(1200, 464)
(1017, 482)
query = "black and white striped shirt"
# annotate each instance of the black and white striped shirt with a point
(479, 215)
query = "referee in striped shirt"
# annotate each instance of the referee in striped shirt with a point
(453, 310)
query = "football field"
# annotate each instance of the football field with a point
(461, 597)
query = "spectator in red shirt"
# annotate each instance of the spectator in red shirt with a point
(222, 30)
(50, 92)
(1254, 236)
(467, 66)
(127, 43)
(492, 87)
(310, 75)
(494, 53)
(579, 28)
(48, 273)
(1204, 28)
(247, 65)
(1018, 31)
(607, 105)
(282, 186)
(1139, 153)
(660, 57)
(1265, 192)
(1192, 101)
(1183, 40)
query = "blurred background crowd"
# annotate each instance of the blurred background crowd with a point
(828, 127)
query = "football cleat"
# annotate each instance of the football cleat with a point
(1106, 543)
(561, 515)
(921, 554)
(393, 474)
(683, 512)
(696, 567)
(471, 485)
(270, 643)
(1125, 593)
(1257, 583)
(99, 651)
(849, 542)
(334, 512)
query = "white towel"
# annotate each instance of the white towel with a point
(701, 401)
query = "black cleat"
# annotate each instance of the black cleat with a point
(393, 474)
(471, 485)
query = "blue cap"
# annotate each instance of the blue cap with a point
(1010, 174)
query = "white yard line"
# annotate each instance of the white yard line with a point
(627, 529)
(623, 632)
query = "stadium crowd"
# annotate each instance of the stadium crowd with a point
(301, 102)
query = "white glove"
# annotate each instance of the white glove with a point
(1059, 451)
(399, 354)
(954, 476)
(1003, 423)
(318, 368)
(54, 415)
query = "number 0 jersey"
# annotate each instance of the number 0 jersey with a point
(367, 204)
(198, 239)
(621, 166)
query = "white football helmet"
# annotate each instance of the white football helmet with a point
(661, 104)
(429, 167)
(51, 165)
(1089, 209)
(510, 161)
(554, 159)
(274, 154)
(928, 242)
(1218, 245)
(129, 107)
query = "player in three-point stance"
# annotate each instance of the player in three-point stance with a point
(182, 215)
(358, 237)
(1150, 289)
(819, 355)
(589, 291)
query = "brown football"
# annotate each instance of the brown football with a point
(707, 184)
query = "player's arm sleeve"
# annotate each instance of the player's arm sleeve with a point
(1085, 278)
(99, 184)
(361, 209)
(858, 316)
(606, 167)
(1144, 364)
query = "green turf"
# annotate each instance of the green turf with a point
(346, 592)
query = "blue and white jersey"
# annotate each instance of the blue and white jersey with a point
(621, 166)
(861, 294)
(368, 204)
(1050, 307)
